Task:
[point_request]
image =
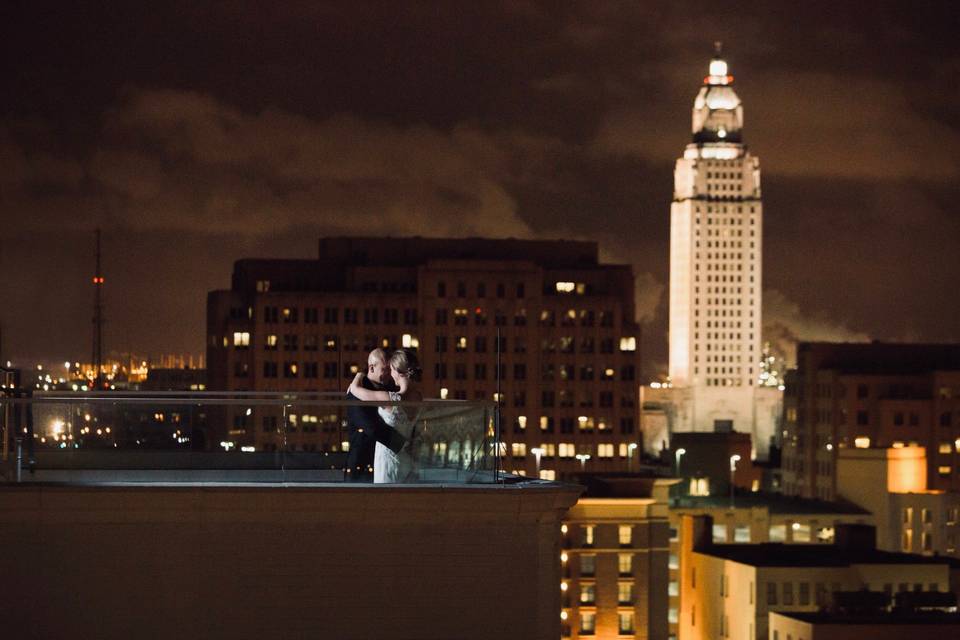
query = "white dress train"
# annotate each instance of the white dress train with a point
(389, 466)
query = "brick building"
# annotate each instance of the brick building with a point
(568, 340)
(614, 558)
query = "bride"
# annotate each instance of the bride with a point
(405, 371)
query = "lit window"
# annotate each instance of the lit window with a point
(801, 532)
(945, 447)
(548, 474)
(522, 421)
(588, 593)
(699, 486)
(241, 339)
(625, 564)
(624, 593)
(628, 344)
(943, 470)
(518, 449)
(719, 533)
(588, 535)
(605, 450)
(567, 450)
(906, 543)
(588, 623)
(565, 287)
(625, 535)
(862, 442)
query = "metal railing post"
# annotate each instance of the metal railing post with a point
(19, 458)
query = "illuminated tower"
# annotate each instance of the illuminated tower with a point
(716, 224)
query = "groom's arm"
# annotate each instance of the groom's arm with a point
(382, 432)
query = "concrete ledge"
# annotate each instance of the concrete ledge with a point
(270, 561)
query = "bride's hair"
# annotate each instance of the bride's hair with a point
(405, 361)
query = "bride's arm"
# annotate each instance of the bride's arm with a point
(361, 393)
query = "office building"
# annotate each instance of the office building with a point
(541, 325)
(870, 395)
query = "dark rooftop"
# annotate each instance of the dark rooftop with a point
(775, 502)
(812, 555)
(620, 485)
(847, 618)
(879, 358)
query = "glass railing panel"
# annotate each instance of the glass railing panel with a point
(235, 437)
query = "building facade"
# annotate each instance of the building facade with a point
(843, 625)
(756, 518)
(541, 323)
(870, 395)
(729, 590)
(892, 484)
(614, 559)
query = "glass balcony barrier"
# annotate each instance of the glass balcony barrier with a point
(241, 438)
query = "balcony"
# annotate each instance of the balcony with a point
(231, 437)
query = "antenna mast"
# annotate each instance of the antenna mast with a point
(97, 320)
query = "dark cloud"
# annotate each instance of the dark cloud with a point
(199, 134)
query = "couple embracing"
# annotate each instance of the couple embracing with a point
(380, 436)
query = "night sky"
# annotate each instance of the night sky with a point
(198, 133)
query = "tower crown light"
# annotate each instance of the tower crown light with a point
(717, 112)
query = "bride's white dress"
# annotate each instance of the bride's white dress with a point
(387, 465)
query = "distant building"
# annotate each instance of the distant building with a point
(880, 625)
(708, 462)
(614, 559)
(729, 590)
(892, 483)
(870, 395)
(716, 251)
(178, 379)
(569, 355)
(756, 518)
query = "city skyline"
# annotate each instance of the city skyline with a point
(203, 141)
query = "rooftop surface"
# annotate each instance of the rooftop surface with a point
(776, 503)
(847, 618)
(812, 555)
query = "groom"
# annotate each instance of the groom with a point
(366, 427)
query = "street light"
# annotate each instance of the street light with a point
(630, 449)
(679, 454)
(733, 469)
(537, 452)
(583, 457)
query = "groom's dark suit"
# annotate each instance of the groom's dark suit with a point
(366, 428)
